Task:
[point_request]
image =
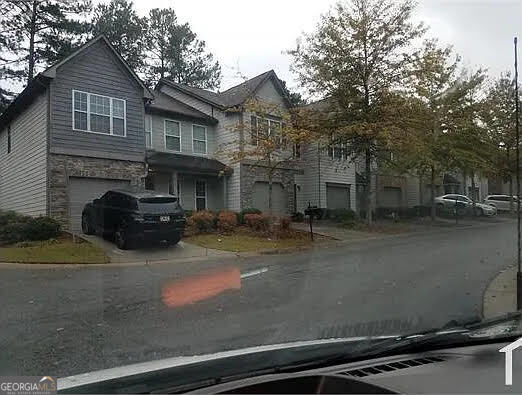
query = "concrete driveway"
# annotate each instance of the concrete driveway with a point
(154, 253)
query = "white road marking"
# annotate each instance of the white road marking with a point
(254, 272)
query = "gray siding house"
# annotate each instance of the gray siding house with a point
(88, 124)
(74, 131)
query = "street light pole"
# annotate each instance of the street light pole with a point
(519, 271)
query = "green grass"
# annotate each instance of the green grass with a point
(244, 243)
(60, 251)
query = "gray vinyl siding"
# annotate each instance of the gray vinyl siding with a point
(189, 100)
(98, 71)
(412, 191)
(158, 135)
(23, 172)
(269, 93)
(317, 173)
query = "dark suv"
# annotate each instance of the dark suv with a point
(133, 217)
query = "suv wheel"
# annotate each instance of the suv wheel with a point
(121, 238)
(86, 225)
(175, 240)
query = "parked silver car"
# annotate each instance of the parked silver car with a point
(464, 205)
(501, 202)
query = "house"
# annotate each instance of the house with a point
(88, 124)
(73, 132)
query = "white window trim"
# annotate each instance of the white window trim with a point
(171, 135)
(206, 140)
(196, 197)
(148, 116)
(111, 116)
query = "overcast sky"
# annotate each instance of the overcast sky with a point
(252, 36)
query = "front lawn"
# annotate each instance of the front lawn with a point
(240, 242)
(62, 250)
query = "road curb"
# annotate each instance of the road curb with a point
(499, 297)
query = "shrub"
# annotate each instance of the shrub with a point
(188, 213)
(246, 211)
(257, 222)
(227, 221)
(203, 221)
(12, 232)
(342, 215)
(298, 217)
(7, 217)
(284, 223)
(41, 228)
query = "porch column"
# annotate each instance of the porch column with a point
(174, 183)
(225, 203)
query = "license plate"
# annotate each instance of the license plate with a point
(164, 218)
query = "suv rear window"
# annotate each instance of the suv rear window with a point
(158, 205)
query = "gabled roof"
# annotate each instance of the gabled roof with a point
(41, 81)
(51, 71)
(233, 96)
(163, 102)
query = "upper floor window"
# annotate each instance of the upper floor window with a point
(9, 139)
(336, 150)
(262, 128)
(199, 139)
(148, 131)
(296, 150)
(99, 114)
(172, 135)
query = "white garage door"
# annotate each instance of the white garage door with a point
(83, 190)
(337, 196)
(279, 197)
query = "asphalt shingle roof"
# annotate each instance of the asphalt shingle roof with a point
(231, 97)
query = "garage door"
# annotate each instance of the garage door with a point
(337, 196)
(391, 197)
(83, 190)
(279, 197)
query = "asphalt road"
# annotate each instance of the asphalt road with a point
(62, 322)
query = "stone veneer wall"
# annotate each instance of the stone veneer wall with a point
(250, 174)
(61, 167)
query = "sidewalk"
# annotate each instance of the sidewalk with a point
(500, 295)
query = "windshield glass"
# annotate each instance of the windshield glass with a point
(185, 178)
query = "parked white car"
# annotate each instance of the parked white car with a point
(464, 205)
(501, 202)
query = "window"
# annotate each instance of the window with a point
(172, 136)
(9, 139)
(99, 114)
(199, 139)
(148, 131)
(201, 195)
(274, 131)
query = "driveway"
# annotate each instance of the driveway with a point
(149, 254)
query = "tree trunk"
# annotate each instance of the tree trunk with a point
(432, 193)
(473, 198)
(32, 33)
(368, 195)
(511, 207)
(270, 195)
